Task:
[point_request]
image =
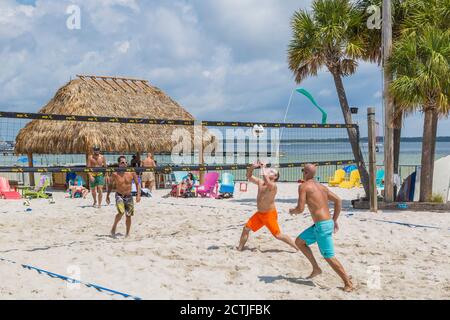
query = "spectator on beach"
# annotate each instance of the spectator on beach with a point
(148, 178)
(76, 187)
(96, 179)
(185, 185)
(136, 161)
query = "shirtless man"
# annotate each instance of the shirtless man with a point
(124, 199)
(148, 178)
(96, 179)
(316, 196)
(267, 213)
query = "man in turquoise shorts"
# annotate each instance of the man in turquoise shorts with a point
(316, 196)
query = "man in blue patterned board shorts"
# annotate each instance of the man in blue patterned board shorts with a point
(316, 196)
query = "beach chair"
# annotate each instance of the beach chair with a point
(39, 192)
(79, 182)
(6, 192)
(209, 188)
(380, 179)
(226, 189)
(339, 176)
(355, 181)
(178, 176)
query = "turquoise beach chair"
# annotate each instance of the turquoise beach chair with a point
(79, 182)
(178, 176)
(226, 189)
(380, 179)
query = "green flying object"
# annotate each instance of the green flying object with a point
(310, 97)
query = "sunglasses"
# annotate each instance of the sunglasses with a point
(122, 162)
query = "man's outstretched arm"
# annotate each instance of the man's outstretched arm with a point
(138, 187)
(250, 176)
(301, 201)
(265, 175)
(337, 204)
(110, 185)
(337, 207)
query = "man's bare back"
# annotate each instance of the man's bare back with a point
(317, 200)
(148, 163)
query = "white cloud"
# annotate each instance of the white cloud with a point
(14, 19)
(123, 47)
(325, 92)
(221, 59)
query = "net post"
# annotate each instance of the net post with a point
(31, 174)
(198, 144)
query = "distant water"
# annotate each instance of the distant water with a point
(289, 151)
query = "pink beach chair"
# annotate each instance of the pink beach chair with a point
(209, 188)
(6, 192)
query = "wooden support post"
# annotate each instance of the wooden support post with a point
(31, 174)
(88, 182)
(388, 105)
(372, 160)
(200, 155)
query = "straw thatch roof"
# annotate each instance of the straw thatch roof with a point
(102, 96)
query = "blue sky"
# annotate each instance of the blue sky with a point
(221, 59)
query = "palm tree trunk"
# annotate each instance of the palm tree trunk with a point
(428, 149)
(352, 133)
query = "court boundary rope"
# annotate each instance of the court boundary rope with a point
(71, 280)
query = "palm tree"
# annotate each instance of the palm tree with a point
(421, 64)
(373, 53)
(330, 36)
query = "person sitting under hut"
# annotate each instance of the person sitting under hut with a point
(186, 184)
(77, 188)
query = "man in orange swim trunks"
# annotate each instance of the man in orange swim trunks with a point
(267, 213)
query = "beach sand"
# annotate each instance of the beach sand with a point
(185, 249)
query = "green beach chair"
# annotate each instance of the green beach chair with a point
(39, 192)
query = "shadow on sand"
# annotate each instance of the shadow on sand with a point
(272, 279)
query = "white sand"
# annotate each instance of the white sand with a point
(185, 249)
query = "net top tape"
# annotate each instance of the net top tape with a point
(99, 119)
(164, 169)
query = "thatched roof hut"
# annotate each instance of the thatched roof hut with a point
(104, 96)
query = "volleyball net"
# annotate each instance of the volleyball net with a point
(232, 146)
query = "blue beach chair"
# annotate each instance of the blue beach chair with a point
(226, 189)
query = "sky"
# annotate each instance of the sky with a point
(221, 59)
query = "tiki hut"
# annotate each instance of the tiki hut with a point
(104, 96)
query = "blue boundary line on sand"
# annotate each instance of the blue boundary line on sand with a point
(71, 280)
